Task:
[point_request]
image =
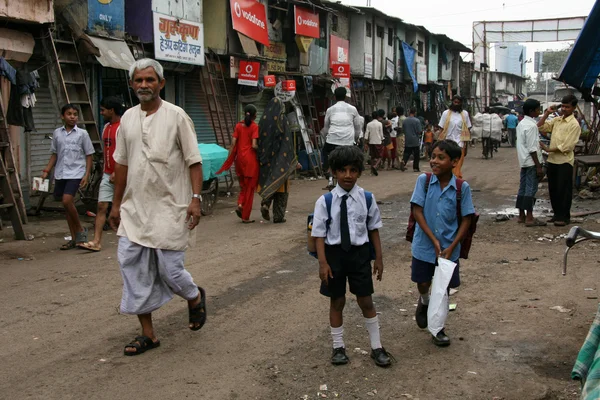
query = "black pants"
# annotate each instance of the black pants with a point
(327, 149)
(416, 156)
(488, 147)
(560, 186)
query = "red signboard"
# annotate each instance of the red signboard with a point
(340, 70)
(270, 81)
(288, 86)
(338, 51)
(306, 22)
(248, 74)
(250, 18)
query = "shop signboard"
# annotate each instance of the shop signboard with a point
(106, 18)
(250, 18)
(276, 50)
(306, 22)
(178, 40)
(422, 74)
(338, 50)
(341, 71)
(368, 65)
(248, 74)
(389, 68)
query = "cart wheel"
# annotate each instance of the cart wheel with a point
(210, 191)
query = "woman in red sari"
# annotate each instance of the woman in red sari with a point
(243, 150)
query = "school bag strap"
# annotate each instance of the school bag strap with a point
(329, 200)
(412, 222)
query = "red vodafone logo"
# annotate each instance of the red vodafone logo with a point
(250, 18)
(341, 70)
(237, 9)
(307, 22)
(249, 68)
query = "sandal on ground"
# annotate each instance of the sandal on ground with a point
(264, 211)
(247, 221)
(69, 245)
(198, 313)
(238, 212)
(536, 222)
(91, 246)
(141, 344)
(561, 223)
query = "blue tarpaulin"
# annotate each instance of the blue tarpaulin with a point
(583, 63)
(409, 58)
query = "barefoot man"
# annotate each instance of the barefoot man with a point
(156, 206)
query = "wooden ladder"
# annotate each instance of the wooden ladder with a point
(222, 115)
(11, 196)
(373, 95)
(355, 97)
(71, 80)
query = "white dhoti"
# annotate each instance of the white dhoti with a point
(151, 277)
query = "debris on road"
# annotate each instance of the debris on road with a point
(560, 309)
(531, 259)
(502, 217)
(323, 387)
(452, 307)
(453, 292)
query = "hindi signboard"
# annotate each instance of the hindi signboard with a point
(178, 40)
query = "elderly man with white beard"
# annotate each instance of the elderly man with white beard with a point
(158, 178)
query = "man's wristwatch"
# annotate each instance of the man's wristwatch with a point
(197, 196)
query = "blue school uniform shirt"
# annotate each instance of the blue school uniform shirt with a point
(512, 121)
(71, 150)
(439, 208)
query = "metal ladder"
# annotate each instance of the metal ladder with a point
(313, 156)
(66, 65)
(355, 100)
(312, 110)
(221, 114)
(11, 196)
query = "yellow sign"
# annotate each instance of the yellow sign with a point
(303, 43)
(276, 50)
(105, 1)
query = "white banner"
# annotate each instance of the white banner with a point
(178, 40)
(389, 68)
(421, 74)
(368, 65)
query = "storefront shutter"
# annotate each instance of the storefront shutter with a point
(197, 108)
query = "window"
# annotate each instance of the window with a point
(420, 48)
(433, 49)
(499, 78)
(390, 36)
(334, 23)
(379, 31)
(369, 29)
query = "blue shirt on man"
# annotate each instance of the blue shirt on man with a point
(512, 121)
(439, 208)
(71, 150)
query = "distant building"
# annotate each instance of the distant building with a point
(510, 58)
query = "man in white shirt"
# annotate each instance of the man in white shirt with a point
(374, 137)
(158, 171)
(456, 124)
(342, 127)
(529, 154)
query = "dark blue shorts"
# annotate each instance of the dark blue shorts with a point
(353, 267)
(422, 272)
(65, 186)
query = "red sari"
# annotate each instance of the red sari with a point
(246, 165)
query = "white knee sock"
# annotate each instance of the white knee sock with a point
(337, 334)
(372, 325)
(425, 299)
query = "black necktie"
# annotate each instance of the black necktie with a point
(344, 228)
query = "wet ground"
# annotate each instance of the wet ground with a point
(267, 336)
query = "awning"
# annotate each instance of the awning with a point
(113, 53)
(583, 63)
(16, 45)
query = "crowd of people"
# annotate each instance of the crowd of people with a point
(151, 156)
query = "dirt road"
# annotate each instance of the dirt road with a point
(267, 336)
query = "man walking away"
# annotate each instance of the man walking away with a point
(511, 121)
(158, 171)
(111, 110)
(412, 132)
(342, 128)
(561, 157)
(529, 153)
(400, 140)
(374, 138)
(456, 124)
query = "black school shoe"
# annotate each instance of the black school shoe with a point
(339, 356)
(421, 314)
(441, 339)
(382, 358)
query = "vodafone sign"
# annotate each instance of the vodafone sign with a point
(307, 22)
(340, 70)
(248, 74)
(250, 18)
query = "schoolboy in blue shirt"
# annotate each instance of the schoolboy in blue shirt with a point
(437, 233)
(343, 239)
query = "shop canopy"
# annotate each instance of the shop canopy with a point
(113, 53)
(583, 63)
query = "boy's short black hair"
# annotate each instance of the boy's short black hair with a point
(450, 147)
(530, 106)
(346, 155)
(381, 113)
(113, 103)
(399, 110)
(68, 106)
(570, 99)
(374, 114)
(412, 111)
(340, 93)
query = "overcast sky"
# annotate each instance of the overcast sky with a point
(455, 18)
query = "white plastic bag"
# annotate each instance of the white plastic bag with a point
(438, 302)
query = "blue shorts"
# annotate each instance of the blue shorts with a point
(65, 186)
(422, 272)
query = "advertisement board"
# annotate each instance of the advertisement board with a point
(178, 40)
(248, 74)
(250, 18)
(306, 22)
